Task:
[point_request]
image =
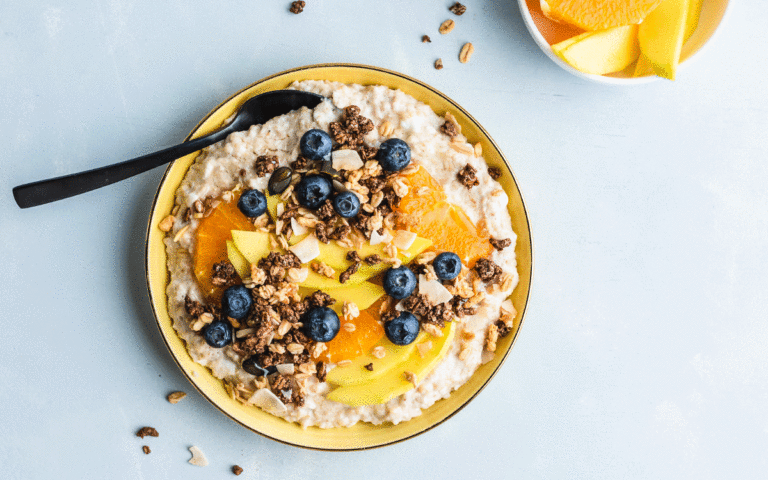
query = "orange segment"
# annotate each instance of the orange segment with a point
(445, 224)
(553, 32)
(416, 204)
(348, 345)
(211, 242)
(598, 14)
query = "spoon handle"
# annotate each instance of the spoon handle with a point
(53, 189)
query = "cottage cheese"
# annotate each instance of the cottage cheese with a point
(217, 169)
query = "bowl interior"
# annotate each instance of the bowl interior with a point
(362, 435)
(712, 14)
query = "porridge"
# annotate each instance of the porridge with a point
(346, 263)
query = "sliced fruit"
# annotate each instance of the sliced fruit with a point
(253, 245)
(238, 260)
(605, 51)
(560, 46)
(643, 68)
(349, 345)
(598, 14)
(363, 294)
(335, 256)
(272, 201)
(419, 200)
(692, 20)
(319, 282)
(553, 32)
(393, 382)
(356, 372)
(661, 36)
(211, 242)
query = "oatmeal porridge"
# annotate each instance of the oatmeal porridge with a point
(346, 263)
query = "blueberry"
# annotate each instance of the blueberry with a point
(252, 203)
(313, 190)
(447, 266)
(346, 204)
(321, 324)
(315, 144)
(251, 365)
(403, 329)
(394, 155)
(399, 282)
(236, 302)
(218, 334)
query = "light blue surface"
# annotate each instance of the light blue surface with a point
(645, 349)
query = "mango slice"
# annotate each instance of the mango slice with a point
(238, 260)
(253, 245)
(356, 373)
(601, 52)
(661, 36)
(393, 382)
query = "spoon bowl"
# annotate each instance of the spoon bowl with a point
(254, 111)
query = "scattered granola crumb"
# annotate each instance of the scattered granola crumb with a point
(426, 39)
(466, 52)
(146, 450)
(346, 274)
(265, 164)
(198, 458)
(372, 259)
(176, 397)
(494, 172)
(458, 9)
(446, 26)
(439, 64)
(237, 469)
(144, 431)
(298, 6)
(369, 367)
(487, 270)
(467, 177)
(500, 244)
(411, 377)
(450, 128)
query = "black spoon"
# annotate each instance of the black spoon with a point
(254, 111)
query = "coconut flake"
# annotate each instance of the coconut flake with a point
(403, 239)
(435, 291)
(307, 249)
(285, 369)
(198, 458)
(346, 160)
(377, 239)
(265, 399)
(297, 228)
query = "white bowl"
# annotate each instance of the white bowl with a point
(712, 14)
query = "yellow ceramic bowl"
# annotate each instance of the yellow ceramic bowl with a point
(361, 436)
(712, 15)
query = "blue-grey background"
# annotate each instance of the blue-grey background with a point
(645, 348)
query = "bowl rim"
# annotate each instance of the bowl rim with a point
(545, 47)
(153, 300)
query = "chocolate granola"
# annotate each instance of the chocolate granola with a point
(467, 177)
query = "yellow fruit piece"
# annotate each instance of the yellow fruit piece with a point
(356, 373)
(393, 382)
(253, 245)
(238, 260)
(602, 52)
(272, 201)
(598, 14)
(692, 20)
(363, 294)
(335, 256)
(559, 47)
(661, 36)
(316, 281)
(643, 68)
